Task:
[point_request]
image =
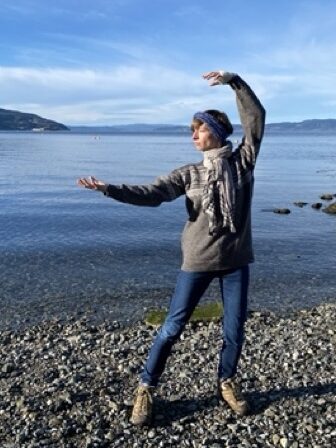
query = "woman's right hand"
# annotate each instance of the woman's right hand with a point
(92, 183)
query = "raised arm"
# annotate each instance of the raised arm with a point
(163, 189)
(252, 114)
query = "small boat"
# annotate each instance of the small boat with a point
(37, 129)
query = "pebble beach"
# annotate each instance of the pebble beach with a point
(71, 384)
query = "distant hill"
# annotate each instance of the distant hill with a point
(12, 120)
(315, 125)
(137, 128)
(306, 126)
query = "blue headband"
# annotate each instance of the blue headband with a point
(216, 128)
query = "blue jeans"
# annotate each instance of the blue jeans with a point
(189, 289)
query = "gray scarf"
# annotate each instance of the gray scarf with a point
(218, 200)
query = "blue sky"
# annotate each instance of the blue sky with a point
(140, 61)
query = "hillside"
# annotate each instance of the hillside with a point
(315, 125)
(12, 120)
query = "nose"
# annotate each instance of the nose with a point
(195, 134)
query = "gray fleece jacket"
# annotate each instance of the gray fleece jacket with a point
(200, 250)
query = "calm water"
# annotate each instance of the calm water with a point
(57, 240)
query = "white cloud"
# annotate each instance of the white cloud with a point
(123, 94)
(152, 94)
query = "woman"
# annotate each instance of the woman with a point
(217, 238)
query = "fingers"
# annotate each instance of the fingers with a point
(87, 183)
(214, 78)
(210, 75)
(92, 183)
(214, 83)
(101, 186)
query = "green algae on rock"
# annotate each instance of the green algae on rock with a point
(205, 313)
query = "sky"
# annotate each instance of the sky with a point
(108, 62)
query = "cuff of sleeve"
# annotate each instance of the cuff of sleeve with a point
(115, 192)
(106, 192)
(228, 77)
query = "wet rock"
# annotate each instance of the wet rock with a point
(317, 205)
(281, 211)
(327, 196)
(300, 204)
(330, 209)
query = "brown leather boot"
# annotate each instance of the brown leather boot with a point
(143, 405)
(229, 391)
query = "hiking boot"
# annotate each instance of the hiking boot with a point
(142, 406)
(230, 393)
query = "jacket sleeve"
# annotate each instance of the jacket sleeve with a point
(163, 189)
(252, 117)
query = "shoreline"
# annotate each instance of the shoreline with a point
(72, 384)
(278, 295)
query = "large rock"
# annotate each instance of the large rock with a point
(330, 209)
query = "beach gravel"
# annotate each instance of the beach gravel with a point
(71, 384)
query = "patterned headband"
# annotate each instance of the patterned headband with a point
(216, 128)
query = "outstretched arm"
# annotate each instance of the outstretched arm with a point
(163, 189)
(252, 114)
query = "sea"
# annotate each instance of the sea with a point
(62, 244)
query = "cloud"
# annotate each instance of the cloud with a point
(142, 94)
(118, 81)
(124, 94)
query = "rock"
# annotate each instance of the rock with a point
(275, 439)
(317, 205)
(284, 442)
(7, 368)
(281, 211)
(151, 434)
(327, 196)
(300, 204)
(269, 413)
(330, 209)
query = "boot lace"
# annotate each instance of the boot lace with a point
(144, 398)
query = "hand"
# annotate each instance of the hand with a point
(92, 183)
(218, 77)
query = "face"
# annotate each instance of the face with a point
(203, 139)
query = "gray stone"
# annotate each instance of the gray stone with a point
(284, 442)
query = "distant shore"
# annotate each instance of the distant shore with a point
(16, 121)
